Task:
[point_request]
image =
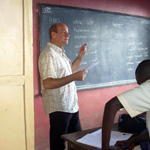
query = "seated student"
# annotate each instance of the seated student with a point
(135, 101)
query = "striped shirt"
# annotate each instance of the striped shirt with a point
(53, 63)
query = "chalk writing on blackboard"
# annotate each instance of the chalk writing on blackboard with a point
(119, 42)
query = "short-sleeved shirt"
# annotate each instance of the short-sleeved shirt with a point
(53, 63)
(137, 101)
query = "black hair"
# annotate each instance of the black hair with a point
(142, 71)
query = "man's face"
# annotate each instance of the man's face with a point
(62, 35)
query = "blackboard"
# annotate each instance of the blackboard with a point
(119, 42)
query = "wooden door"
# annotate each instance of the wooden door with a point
(16, 76)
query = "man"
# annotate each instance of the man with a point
(135, 101)
(58, 87)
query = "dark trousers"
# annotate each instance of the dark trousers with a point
(62, 123)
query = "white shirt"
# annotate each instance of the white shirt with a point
(53, 63)
(137, 101)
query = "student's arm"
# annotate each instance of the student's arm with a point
(51, 83)
(137, 139)
(78, 60)
(111, 108)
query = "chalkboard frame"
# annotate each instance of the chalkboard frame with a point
(99, 85)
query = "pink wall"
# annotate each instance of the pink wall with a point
(91, 102)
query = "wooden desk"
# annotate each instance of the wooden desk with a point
(72, 137)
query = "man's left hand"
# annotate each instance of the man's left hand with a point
(83, 50)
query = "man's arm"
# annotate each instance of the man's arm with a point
(137, 139)
(51, 83)
(78, 60)
(111, 108)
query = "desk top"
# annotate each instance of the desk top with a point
(72, 137)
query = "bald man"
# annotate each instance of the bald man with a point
(58, 87)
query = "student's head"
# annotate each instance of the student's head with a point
(142, 72)
(59, 34)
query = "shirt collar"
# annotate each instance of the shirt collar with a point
(56, 48)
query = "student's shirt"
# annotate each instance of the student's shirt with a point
(53, 63)
(137, 101)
